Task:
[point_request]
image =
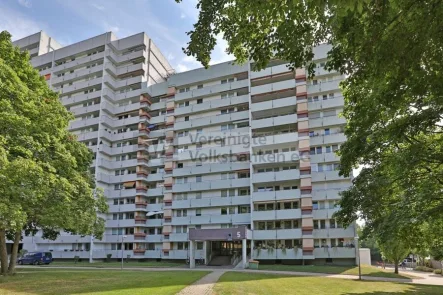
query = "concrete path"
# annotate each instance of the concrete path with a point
(203, 286)
(427, 278)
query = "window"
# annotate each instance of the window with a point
(224, 211)
(186, 118)
(198, 195)
(199, 245)
(179, 165)
(199, 131)
(314, 115)
(329, 113)
(327, 131)
(200, 86)
(314, 205)
(198, 212)
(328, 149)
(224, 81)
(334, 147)
(198, 178)
(200, 101)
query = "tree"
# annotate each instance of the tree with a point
(395, 251)
(45, 183)
(390, 51)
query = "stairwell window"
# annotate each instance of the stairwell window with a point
(198, 212)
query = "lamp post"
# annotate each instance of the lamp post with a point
(358, 257)
(123, 238)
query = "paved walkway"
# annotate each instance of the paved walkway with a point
(427, 278)
(203, 286)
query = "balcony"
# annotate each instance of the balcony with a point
(212, 105)
(286, 157)
(335, 102)
(210, 202)
(327, 176)
(334, 233)
(263, 139)
(327, 139)
(210, 168)
(324, 87)
(324, 213)
(270, 71)
(275, 195)
(277, 214)
(211, 90)
(328, 194)
(326, 121)
(284, 175)
(79, 98)
(293, 253)
(277, 234)
(211, 185)
(212, 120)
(327, 157)
(175, 237)
(213, 151)
(154, 207)
(78, 74)
(272, 87)
(274, 104)
(274, 121)
(335, 252)
(79, 61)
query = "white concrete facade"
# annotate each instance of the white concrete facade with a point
(208, 148)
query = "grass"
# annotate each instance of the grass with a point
(269, 284)
(366, 270)
(114, 264)
(97, 282)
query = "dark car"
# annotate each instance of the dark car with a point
(35, 258)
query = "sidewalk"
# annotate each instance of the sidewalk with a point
(428, 278)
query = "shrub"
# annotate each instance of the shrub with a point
(437, 271)
(108, 257)
(424, 268)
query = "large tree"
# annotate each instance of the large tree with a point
(390, 52)
(45, 183)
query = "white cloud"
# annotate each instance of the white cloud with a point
(188, 8)
(108, 27)
(97, 6)
(25, 3)
(219, 54)
(182, 15)
(170, 56)
(182, 68)
(17, 24)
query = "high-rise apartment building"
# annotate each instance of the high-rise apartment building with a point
(215, 164)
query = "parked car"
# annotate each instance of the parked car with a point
(35, 258)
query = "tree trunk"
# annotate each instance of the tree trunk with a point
(396, 267)
(3, 252)
(13, 260)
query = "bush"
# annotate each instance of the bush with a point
(424, 268)
(437, 271)
(108, 257)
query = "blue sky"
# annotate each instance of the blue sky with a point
(70, 21)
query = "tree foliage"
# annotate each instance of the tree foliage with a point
(390, 52)
(45, 183)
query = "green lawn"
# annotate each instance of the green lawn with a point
(97, 282)
(147, 264)
(269, 284)
(366, 270)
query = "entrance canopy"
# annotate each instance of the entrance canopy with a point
(220, 234)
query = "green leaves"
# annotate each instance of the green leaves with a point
(391, 53)
(44, 175)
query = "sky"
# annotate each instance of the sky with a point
(71, 21)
